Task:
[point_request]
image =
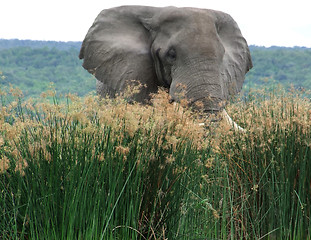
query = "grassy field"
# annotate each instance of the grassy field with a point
(86, 168)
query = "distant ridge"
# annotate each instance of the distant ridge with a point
(32, 65)
(12, 43)
(60, 45)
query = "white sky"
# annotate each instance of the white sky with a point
(262, 22)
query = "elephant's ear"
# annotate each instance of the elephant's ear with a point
(117, 48)
(237, 59)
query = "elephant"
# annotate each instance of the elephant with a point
(197, 54)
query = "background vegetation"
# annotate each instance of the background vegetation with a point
(280, 65)
(32, 65)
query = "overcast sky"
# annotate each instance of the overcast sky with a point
(262, 22)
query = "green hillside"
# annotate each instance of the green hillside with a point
(32, 68)
(12, 43)
(33, 65)
(287, 66)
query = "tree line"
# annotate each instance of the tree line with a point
(280, 65)
(33, 65)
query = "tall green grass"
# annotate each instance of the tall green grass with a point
(105, 169)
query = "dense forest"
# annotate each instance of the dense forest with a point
(12, 43)
(33, 65)
(280, 65)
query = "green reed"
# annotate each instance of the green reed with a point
(106, 169)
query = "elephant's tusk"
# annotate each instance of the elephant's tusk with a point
(231, 123)
(228, 120)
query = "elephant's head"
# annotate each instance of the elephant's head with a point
(196, 51)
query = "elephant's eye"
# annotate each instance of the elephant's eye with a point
(171, 54)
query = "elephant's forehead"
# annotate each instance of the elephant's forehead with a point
(192, 38)
(173, 13)
(185, 23)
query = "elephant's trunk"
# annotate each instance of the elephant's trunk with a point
(200, 82)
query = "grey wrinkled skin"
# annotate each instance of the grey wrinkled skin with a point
(198, 52)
